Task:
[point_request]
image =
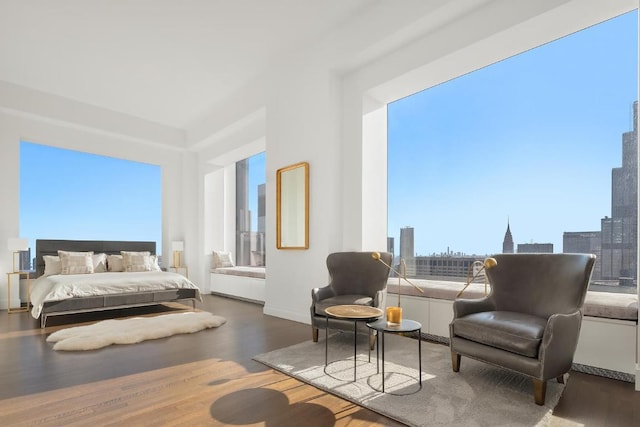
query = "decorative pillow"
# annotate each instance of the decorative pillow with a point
(154, 263)
(257, 258)
(136, 261)
(52, 265)
(222, 259)
(99, 263)
(114, 263)
(76, 262)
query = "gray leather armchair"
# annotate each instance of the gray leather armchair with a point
(530, 321)
(355, 278)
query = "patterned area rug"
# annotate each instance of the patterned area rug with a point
(132, 330)
(479, 395)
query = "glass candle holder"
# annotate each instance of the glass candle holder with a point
(394, 315)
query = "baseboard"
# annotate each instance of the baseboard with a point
(254, 301)
(602, 372)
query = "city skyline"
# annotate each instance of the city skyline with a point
(509, 245)
(530, 141)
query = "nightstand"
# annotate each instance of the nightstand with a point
(180, 270)
(19, 275)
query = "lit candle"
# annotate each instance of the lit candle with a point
(394, 315)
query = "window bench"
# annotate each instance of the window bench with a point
(246, 283)
(608, 337)
(607, 305)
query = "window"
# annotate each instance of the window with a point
(250, 210)
(538, 151)
(67, 194)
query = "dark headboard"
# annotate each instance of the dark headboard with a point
(51, 247)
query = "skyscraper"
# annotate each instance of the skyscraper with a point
(406, 243)
(507, 243)
(586, 242)
(406, 251)
(620, 232)
(243, 215)
(391, 247)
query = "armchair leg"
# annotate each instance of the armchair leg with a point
(314, 333)
(455, 361)
(539, 391)
(372, 341)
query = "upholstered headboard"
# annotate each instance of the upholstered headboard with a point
(51, 247)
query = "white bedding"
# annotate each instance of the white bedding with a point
(60, 287)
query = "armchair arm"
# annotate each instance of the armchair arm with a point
(318, 294)
(463, 307)
(559, 344)
(379, 300)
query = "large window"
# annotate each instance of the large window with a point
(536, 153)
(250, 210)
(67, 194)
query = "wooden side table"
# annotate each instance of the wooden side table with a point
(20, 274)
(350, 312)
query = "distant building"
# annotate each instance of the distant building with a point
(585, 242)
(406, 243)
(25, 260)
(535, 248)
(507, 243)
(439, 267)
(391, 247)
(250, 245)
(620, 232)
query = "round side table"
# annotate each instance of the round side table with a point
(349, 312)
(407, 326)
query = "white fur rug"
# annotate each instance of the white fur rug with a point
(132, 330)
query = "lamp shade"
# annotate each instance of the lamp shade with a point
(177, 246)
(16, 244)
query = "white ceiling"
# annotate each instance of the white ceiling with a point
(165, 61)
(173, 62)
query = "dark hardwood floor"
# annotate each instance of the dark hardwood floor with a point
(209, 378)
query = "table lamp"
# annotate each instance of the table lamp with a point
(177, 248)
(481, 266)
(17, 245)
(394, 314)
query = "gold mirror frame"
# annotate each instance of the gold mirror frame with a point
(292, 207)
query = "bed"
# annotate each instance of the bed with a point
(59, 294)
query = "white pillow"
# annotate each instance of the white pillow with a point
(136, 261)
(154, 263)
(99, 263)
(114, 263)
(52, 265)
(257, 258)
(76, 262)
(222, 259)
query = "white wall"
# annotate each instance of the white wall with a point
(303, 111)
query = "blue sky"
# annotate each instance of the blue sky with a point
(67, 194)
(257, 176)
(531, 139)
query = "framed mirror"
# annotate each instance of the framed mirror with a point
(292, 207)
